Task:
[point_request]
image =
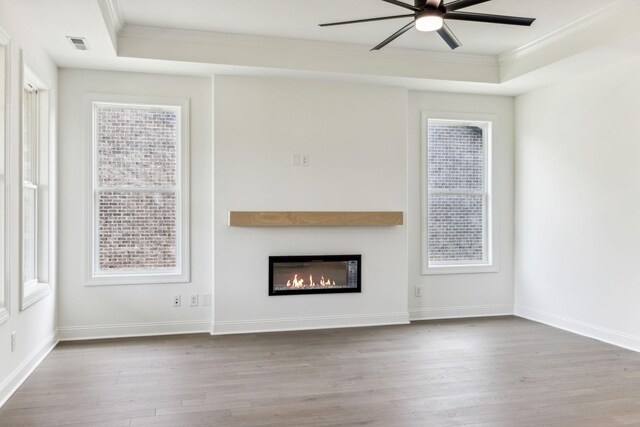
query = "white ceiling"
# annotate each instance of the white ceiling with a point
(299, 19)
(237, 26)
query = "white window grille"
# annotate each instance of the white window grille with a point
(36, 229)
(29, 185)
(458, 197)
(139, 193)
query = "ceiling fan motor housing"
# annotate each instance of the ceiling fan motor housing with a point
(430, 4)
(430, 15)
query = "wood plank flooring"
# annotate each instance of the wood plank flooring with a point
(501, 371)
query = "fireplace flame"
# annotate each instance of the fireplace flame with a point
(300, 283)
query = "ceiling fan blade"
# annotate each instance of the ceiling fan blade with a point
(461, 4)
(395, 35)
(402, 4)
(491, 19)
(448, 36)
(368, 20)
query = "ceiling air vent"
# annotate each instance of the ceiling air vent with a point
(80, 43)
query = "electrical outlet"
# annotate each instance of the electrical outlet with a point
(193, 300)
(13, 341)
(305, 160)
(418, 290)
(177, 300)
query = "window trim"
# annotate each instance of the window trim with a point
(491, 235)
(132, 277)
(35, 290)
(5, 299)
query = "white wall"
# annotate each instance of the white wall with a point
(35, 327)
(99, 311)
(463, 295)
(356, 137)
(578, 205)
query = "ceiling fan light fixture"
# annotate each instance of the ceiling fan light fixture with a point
(429, 21)
(429, 16)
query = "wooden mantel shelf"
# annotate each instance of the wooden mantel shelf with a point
(313, 219)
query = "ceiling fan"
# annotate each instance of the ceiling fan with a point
(429, 15)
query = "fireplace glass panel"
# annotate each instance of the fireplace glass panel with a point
(314, 274)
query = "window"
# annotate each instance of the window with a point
(139, 222)
(35, 191)
(457, 226)
(4, 312)
(29, 184)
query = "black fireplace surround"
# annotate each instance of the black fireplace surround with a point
(314, 274)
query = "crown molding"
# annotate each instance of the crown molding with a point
(613, 8)
(115, 13)
(113, 19)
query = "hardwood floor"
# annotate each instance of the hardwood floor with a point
(478, 372)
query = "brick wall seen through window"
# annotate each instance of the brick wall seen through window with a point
(137, 194)
(456, 193)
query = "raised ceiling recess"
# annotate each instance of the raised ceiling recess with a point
(430, 15)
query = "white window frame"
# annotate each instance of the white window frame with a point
(35, 290)
(490, 236)
(5, 56)
(32, 184)
(181, 274)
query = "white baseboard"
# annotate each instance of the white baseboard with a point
(460, 312)
(307, 323)
(22, 372)
(74, 333)
(609, 336)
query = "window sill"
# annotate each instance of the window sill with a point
(4, 315)
(146, 279)
(34, 292)
(459, 269)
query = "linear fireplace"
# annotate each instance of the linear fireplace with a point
(314, 274)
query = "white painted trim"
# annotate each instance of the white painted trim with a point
(492, 194)
(308, 323)
(33, 73)
(33, 292)
(460, 312)
(115, 13)
(5, 288)
(460, 269)
(113, 19)
(611, 8)
(90, 332)
(182, 273)
(609, 336)
(26, 368)
(212, 218)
